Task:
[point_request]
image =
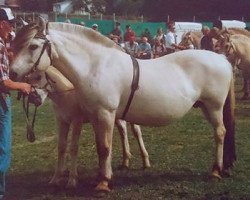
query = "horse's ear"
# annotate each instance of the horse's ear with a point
(23, 23)
(42, 25)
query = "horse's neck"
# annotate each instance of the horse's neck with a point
(234, 31)
(59, 82)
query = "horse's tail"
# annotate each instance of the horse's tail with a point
(229, 122)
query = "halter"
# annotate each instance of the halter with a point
(46, 46)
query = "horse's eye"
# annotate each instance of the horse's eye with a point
(33, 47)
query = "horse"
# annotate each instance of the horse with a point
(226, 33)
(236, 48)
(68, 112)
(191, 38)
(111, 85)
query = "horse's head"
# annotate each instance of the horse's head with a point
(32, 50)
(186, 39)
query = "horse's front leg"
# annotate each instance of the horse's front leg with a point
(103, 124)
(63, 130)
(136, 129)
(122, 128)
(76, 131)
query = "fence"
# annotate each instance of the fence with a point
(105, 23)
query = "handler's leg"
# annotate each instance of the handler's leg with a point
(5, 143)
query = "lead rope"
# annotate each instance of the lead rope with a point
(29, 125)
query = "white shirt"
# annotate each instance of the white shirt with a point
(170, 39)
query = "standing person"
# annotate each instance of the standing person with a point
(116, 33)
(145, 50)
(206, 40)
(6, 84)
(171, 44)
(132, 47)
(128, 34)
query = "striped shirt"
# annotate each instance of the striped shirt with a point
(4, 62)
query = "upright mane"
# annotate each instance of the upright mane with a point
(239, 31)
(89, 33)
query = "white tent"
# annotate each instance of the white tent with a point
(183, 27)
(233, 24)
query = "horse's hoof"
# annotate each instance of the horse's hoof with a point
(103, 187)
(215, 176)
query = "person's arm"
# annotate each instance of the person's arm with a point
(12, 85)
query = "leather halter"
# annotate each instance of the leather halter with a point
(134, 85)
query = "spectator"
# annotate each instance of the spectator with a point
(158, 48)
(131, 47)
(145, 51)
(116, 33)
(160, 35)
(171, 44)
(95, 27)
(128, 34)
(6, 84)
(206, 40)
(147, 34)
(218, 24)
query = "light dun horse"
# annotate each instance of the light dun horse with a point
(192, 38)
(68, 112)
(240, 57)
(102, 75)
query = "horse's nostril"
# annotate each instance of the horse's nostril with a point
(13, 75)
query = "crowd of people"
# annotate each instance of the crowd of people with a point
(160, 45)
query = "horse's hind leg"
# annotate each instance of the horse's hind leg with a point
(122, 128)
(76, 131)
(215, 117)
(63, 130)
(136, 129)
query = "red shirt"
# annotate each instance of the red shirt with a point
(128, 35)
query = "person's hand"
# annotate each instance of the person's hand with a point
(26, 88)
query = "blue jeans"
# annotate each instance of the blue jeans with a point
(5, 141)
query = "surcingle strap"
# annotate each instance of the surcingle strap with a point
(134, 85)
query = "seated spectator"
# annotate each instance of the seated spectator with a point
(160, 35)
(128, 34)
(95, 27)
(206, 40)
(116, 33)
(146, 33)
(145, 50)
(158, 48)
(131, 47)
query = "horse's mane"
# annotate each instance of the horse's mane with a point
(239, 31)
(90, 34)
(26, 33)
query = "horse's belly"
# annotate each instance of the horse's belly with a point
(157, 115)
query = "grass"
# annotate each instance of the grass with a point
(181, 156)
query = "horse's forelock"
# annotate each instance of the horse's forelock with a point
(24, 35)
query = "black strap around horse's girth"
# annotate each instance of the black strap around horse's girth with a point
(134, 85)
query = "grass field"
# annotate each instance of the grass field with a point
(181, 156)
